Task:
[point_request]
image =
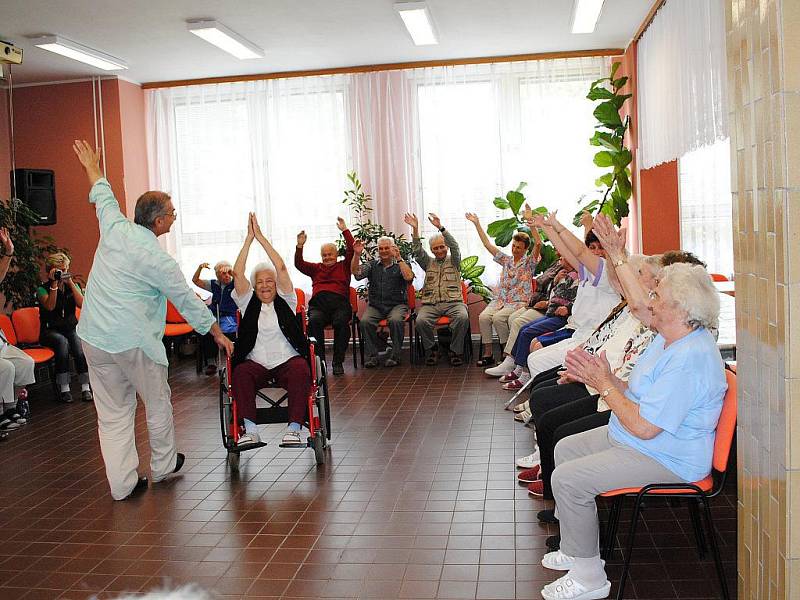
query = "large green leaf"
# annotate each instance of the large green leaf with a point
(515, 200)
(468, 262)
(621, 159)
(522, 185)
(624, 185)
(497, 227)
(608, 114)
(600, 93)
(605, 180)
(614, 67)
(548, 257)
(590, 208)
(474, 272)
(618, 83)
(501, 203)
(503, 239)
(604, 158)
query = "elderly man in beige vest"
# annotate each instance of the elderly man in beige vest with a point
(441, 294)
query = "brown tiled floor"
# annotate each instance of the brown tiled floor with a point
(418, 500)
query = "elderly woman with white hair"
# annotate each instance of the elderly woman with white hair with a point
(271, 344)
(662, 425)
(221, 306)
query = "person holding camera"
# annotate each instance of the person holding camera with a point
(58, 297)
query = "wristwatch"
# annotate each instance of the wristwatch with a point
(604, 394)
(441, 229)
(620, 262)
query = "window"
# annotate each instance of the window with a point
(705, 206)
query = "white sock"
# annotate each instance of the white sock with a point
(64, 387)
(517, 369)
(589, 571)
(508, 362)
(524, 376)
(85, 387)
(250, 427)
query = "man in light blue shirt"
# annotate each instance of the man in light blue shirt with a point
(122, 324)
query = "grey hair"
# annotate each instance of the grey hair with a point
(220, 264)
(149, 207)
(435, 238)
(326, 244)
(262, 266)
(694, 293)
(385, 238)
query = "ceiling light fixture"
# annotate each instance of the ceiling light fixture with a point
(585, 14)
(75, 51)
(231, 42)
(418, 21)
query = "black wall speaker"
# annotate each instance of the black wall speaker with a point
(37, 189)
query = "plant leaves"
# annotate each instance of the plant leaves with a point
(515, 200)
(604, 158)
(474, 272)
(497, 227)
(621, 159)
(608, 114)
(503, 239)
(606, 180)
(614, 67)
(501, 203)
(618, 83)
(468, 262)
(600, 93)
(522, 185)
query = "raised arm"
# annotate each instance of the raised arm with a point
(405, 268)
(356, 268)
(422, 257)
(240, 282)
(575, 246)
(301, 265)
(284, 280)
(490, 247)
(349, 240)
(614, 244)
(106, 205)
(201, 283)
(449, 240)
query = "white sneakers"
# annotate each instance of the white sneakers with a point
(569, 588)
(248, 438)
(530, 461)
(504, 367)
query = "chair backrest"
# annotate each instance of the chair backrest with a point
(726, 426)
(8, 329)
(464, 291)
(173, 316)
(301, 299)
(718, 277)
(26, 324)
(411, 294)
(78, 313)
(354, 299)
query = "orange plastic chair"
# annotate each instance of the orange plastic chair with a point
(176, 328)
(302, 311)
(28, 318)
(411, 316)
(718, 277)
(444, 321)
(696, 492)
(354, 324)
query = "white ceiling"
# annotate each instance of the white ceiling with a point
(151, 36)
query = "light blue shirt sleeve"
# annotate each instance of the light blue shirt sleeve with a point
(106, 205)
(172, 284)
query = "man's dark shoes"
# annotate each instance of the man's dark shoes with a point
(338, 369)
(432, 359)
(86, 396)
(456, 360)
(371, 363)
(486, 361)
(179, 460)
(547, 516)
(140, 487)
(553, 542)
(65, 397)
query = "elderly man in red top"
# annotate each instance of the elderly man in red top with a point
(330, 298)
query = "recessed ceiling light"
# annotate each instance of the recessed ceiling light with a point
(231, 42)
(418, 21)
(585, 15)
(74, 50)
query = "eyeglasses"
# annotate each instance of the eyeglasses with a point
(653, 295)
(173, 213)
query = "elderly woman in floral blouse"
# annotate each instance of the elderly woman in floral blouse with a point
(515, 287)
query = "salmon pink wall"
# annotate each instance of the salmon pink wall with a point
(659, 208)
(134, 144)
(54, 116)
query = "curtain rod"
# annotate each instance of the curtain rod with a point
(386, 67)
(648, 20)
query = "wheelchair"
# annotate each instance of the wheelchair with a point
(276, 411)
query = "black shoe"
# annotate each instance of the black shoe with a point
(179, 460)
(486, 361)
(547, 516)
(86, 396)
(23, 409)
(553, 542)
(140, 487)
(370, 363)
(65, 397)
(338, 369)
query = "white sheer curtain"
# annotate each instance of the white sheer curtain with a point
(278, 147)
(445, 140)
(682, 81)
(705, 206)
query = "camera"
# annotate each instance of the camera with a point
(59, 275)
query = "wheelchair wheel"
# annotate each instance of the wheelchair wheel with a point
(319, 447)
(323, 403)
(225, 413)
(233, 460)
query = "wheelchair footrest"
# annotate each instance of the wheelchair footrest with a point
(294, 445)
(245, 447)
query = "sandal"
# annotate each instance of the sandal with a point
(432, 359)
(455, 360)
(292, 439)
(486, 361)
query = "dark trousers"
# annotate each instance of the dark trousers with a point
(294, 376)
(62, 344)
(563, 421)
(522, 347)
(329, 308)
(549, 395)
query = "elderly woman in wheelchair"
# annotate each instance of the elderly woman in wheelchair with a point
(271, 345)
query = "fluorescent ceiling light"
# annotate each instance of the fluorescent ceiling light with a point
(79, 52)
(585, 15)
(417, 19)
(225, 39)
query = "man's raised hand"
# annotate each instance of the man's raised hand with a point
(301, 239)
(434, 220)
(90, 159)
(341, 224)
(411, 219)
